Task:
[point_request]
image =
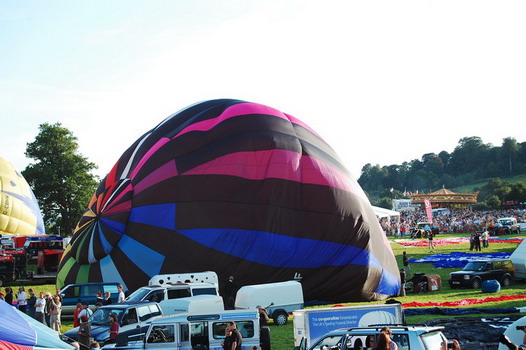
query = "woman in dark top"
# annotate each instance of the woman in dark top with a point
(84, 332)
(9, 296)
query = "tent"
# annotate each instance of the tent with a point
(19, 331)
(385, 213)
(518, 257)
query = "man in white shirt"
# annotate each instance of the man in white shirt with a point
(121, 294)
(85, 310)
(40, 307)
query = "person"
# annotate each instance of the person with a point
(9, 296)
(54, 312)
(524, 338)
(76, 318)
(402, 283)
(107, 299)
(370, 343)
(31, 303)
(383, 342)
(121, 294)
(387, 331)
(471, 241)
(40, 308)
(95, 345)
(227, 343)
(476, 243)
(21, 297)
(75, 344)
(100, 299)
(58, 294)
(485, 239)
(237, 339)
(84, 332)
(263, 316)
(85, 310)
(114, 328)
(47, 313)
(407, 268)
(230, 293)
(430, 238)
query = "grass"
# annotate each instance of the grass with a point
(282, 337)
(471, 187)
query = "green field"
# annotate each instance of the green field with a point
(283, 336)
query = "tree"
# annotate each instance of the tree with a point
(61, 177)
(510, 148)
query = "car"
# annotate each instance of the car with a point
(477, 271)
(419, 230)
(406, 337)
(510, 225)
(133, 318)
(85, 292)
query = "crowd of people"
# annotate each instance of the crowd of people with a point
(453, 221)
(47, 309)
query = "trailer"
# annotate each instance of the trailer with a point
(312, 324)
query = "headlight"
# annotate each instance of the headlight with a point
(467, 277)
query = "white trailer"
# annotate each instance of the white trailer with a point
(279, 299)
(313, 323)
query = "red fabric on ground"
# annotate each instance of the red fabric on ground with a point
(466, 302)
(451, 241)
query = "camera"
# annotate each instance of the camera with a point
(521, 328)
(450, 345)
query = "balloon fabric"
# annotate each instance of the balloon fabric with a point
(241, 189)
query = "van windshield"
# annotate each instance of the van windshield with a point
(138, 295)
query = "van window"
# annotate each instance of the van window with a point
(90, 290)
(129, 317)
(246, 328)
(199, 335)
(154, 310)
(112, 288)
(144, 312)
(162, 334)
(71, 292)
(178, 293)
(156, 296)
(204, 291)
(183, 331)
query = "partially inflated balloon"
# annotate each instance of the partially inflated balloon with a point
(240, 189)
(19, 211)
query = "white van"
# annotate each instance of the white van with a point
(202, 331)
(518, 258)
(279, 299)
(181, 297)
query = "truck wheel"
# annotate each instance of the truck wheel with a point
(264, 338)
(476, 283)
(506, 281)
(280, 318)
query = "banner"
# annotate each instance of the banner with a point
(427, 204)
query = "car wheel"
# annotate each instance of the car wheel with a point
(264, 338)
(2, 281)
(476, 283)
(280, 318)
(506, 281)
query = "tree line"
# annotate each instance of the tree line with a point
(471, 161)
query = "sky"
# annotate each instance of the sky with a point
(382, 82)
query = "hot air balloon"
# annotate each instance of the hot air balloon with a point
(19, 211)
(241, 189)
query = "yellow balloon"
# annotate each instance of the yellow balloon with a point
(19, 211)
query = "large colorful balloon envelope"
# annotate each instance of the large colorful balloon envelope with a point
(19, 211)
(241, 189)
